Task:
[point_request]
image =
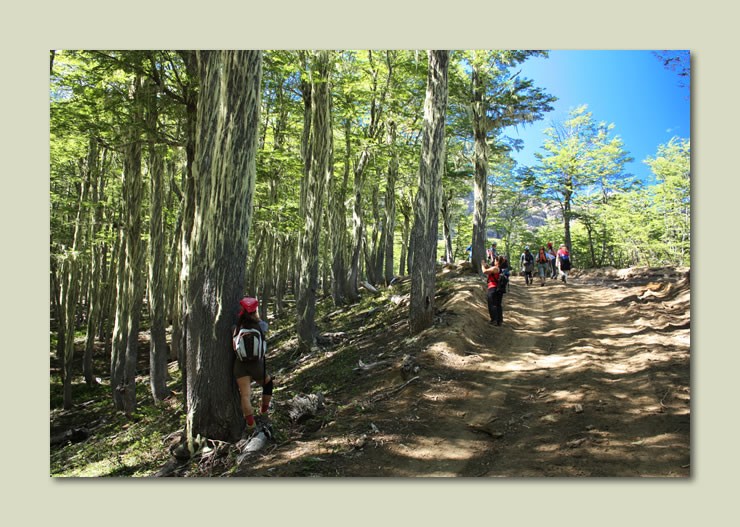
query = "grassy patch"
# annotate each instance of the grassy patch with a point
(117, 446)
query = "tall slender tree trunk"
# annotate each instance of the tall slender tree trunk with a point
(188, 218)
(224, 174)
(567, 211)
(96, 286)
(426, 211)
(131, 283)
(318, 176)
(481, 172)
(446, 225)
(72, 273)
(338, 213)
(358, 227)
(372, 246)
(390, 204)
(158, 355)
(405, 209)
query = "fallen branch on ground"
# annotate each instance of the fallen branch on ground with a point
(361, 366)
(369, 288)
(394, 390)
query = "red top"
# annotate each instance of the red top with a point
(493, 280)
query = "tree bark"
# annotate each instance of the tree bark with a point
(96, 286)
(338, 213)
(71, 272)
(446, 225)
(318, 176)
(359, 228)
(426, 210)
(131, 262)
(224, 173)
(390, 204)
(404, 207)
(188, 215)
(158, 355)
(481, 172)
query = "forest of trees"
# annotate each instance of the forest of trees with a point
(183, 180)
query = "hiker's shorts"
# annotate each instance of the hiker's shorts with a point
(253, 368)
(542, 269)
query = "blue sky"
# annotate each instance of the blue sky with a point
(628, 88)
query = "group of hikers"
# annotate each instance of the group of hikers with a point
(249, 333)
(550, 263)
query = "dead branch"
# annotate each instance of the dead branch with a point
(394, 390)
(369, 288)
(361, 366)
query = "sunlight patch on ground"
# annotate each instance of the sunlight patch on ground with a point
(567, 396)
(421, 448)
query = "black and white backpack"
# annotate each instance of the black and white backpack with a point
(250, 345)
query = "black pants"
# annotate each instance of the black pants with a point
(554, 268)
(495, 307)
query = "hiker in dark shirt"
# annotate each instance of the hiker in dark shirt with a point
(527, 263)
(246, 371)
(564, 263)
(543, 265)
(552, 257)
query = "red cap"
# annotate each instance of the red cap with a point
(248, 304)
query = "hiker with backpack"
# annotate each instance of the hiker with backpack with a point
(503, 265)
(496, 287)
(249, 343)
(564, 263)
(552, 257)
(491, 253)
(543, 265)
(527, 263)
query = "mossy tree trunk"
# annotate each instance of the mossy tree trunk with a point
(447, 224)
(426, 209)
(72, 275)
(224, 172)
(97, 252)
(390, 203)
(319, 173)
(480, 154)
(131, 267)
(338, 223)
(158, 355)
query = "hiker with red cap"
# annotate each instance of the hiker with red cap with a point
(249, 343)
(564, 263)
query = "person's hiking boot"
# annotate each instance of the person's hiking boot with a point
(263, 419)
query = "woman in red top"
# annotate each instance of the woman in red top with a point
(494, 294)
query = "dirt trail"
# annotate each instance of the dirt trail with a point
(581, 380)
